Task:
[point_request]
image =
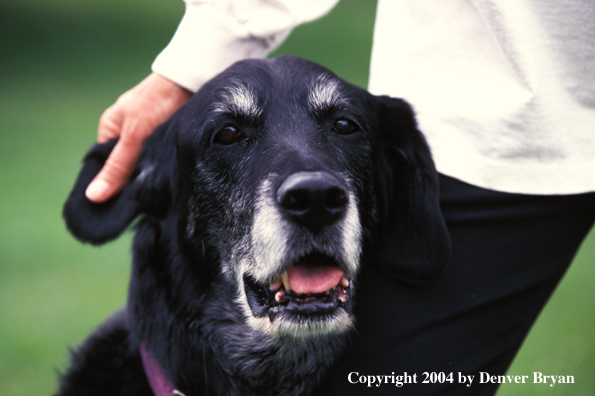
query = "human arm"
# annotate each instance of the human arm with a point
(211, 37)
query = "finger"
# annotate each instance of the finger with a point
(110, 125)
(116, 172)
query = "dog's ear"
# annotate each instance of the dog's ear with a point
(149, 190)
(415, 244)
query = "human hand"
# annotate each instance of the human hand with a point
(132, 118)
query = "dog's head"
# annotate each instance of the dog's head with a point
(281, 179)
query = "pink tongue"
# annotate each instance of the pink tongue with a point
(313, 279)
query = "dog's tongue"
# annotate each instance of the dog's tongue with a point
(313, 279)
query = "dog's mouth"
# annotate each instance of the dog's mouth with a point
(311, 290)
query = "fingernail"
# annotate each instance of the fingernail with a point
(98, 190)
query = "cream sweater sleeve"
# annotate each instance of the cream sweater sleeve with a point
(214, 34)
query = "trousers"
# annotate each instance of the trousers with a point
(509, 251)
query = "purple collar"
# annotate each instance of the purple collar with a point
(160, 385)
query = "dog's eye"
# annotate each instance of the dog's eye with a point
(344, 127)
(227, 135)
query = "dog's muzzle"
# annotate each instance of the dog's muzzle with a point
(307, 239)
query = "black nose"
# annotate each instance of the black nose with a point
(313, 199)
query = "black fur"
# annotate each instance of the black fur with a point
(196, 199)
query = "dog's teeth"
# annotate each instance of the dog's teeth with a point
(285, 279)
(278, 296)
(344, 282)
(343, 296)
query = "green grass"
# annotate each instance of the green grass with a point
(63, 62)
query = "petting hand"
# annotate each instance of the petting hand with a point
(132, 118)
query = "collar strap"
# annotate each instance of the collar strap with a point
(160, 384)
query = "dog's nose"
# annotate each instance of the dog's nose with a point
(313, 199)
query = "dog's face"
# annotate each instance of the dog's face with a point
(279, 176)
(280, 173)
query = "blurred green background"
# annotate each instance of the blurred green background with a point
(62, 63)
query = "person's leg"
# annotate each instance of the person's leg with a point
(509, 253)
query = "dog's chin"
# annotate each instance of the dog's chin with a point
(310, 298)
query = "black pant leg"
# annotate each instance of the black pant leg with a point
(509, 253)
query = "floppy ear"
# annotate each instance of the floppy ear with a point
(415, 244)
(148, 191)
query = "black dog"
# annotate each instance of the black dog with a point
(259, 201)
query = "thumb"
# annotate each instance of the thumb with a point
(116, 172)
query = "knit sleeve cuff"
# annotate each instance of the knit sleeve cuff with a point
(215, 34)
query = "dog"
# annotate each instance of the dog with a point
(257, 204)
